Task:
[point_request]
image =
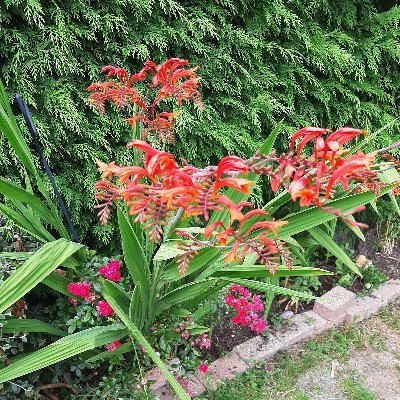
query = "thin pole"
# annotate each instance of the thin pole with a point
(31, 127)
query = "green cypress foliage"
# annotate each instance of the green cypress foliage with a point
(321, 62)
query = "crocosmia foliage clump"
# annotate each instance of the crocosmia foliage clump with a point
(187, 233)
(157, 187)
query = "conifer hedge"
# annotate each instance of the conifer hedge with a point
(319, 62)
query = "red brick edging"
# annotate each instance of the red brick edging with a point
(334, 308)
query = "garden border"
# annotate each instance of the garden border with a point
(332, 309)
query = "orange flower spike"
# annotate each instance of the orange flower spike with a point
(132, 121)
(144, 146)
(308, 197)
(211, 228)
(108, 170)
(221, 236)
(125, 173)
(170, 195)
(307, 134)
(343, 135)
(346, 167)
(253, 213)
(232, 255)
(231, 164)
(296, 186)
(241, 185)
(121, 73)
(233, 208)
(272, 226)
(161, 163)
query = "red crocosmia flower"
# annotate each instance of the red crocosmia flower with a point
(307, 196)
(159, 188)
(241, 185)
(343, 135)
(231, 164)
(346, 167)
(296, 186)
(307, 134)
(233, 254)
(272, 226)
(203, 368)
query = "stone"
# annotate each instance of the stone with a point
(338, 320)
(387, 292)
(195, 388)
(259, 348)
(333, 304)
(393, 282)
(312, 320)
(287, 314)
(228, 366)
(225, 368)
(158, 377)
(362, 309)
(165, 393)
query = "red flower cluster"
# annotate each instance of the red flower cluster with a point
(111, 271)
(113, 346)
(170, 80)
(80, 289)
(160, 187)
(104, 309)
(247, 308)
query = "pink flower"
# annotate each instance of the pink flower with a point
(203, 342)
(203, 368)
(246, 308)
(113, 346)
(111, 271)
(104, 309)
(73, 302)
(258, 326)
(186, 335)
(183, 382)
(80, 289)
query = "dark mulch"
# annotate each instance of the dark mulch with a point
(389, 264)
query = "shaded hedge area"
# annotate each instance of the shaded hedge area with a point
(319, 62)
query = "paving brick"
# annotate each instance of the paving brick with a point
(196, 388)
(228, 366)
(387, 292)
(300, 328)
(158, 377)
(339, 319)
(334, 303)
(362, 309)
(223, 369)
(314, 321)
(393, 282)
(259, 348)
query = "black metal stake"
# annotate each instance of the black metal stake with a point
(31, 126)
